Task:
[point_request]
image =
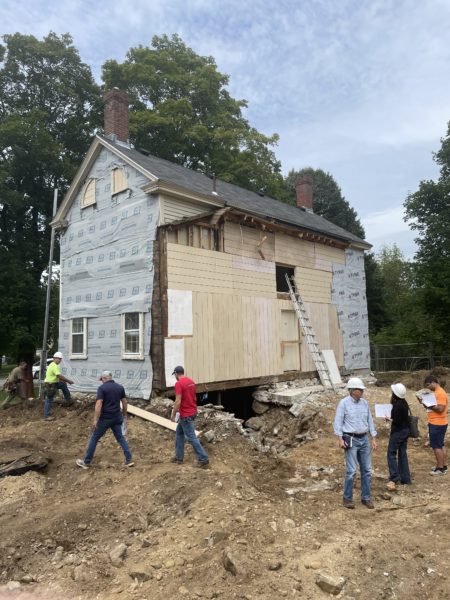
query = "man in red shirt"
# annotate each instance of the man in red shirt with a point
(186, 405)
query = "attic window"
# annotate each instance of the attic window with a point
(118, 180)
(88, 197)
(280, 273)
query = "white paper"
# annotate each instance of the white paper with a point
(429, 399)
(383, 410)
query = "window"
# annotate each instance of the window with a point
(132, 335)
(88, 197)
(281, 272)
(118, 180)
(78, 338)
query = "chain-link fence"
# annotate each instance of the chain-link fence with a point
(406, 357)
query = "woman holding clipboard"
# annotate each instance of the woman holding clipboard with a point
(397, 457)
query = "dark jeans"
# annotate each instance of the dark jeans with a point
(50, 392)
(115, 424)
(397, 457)
(186, 429)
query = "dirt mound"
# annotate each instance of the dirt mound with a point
(256, 525)
(413, 381)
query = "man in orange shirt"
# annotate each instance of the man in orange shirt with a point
(437, 424)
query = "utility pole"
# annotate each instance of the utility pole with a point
(47, 302)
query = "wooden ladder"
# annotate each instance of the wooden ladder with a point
(310, 336)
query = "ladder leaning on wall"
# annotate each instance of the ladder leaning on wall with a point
(310, 336)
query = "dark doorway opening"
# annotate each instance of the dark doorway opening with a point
(237, 401)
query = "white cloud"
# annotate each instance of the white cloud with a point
(386, 228)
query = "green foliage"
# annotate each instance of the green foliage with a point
(428, 211)
(328, 200)
(376, 307)
(49, 105)
(403, 318)
(182, 111)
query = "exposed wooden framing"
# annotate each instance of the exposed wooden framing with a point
(272, 226)
(156, 339)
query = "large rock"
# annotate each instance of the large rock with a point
(117, 554)
(254, 423)
(329, 583)
(232, 563)
(259, 407)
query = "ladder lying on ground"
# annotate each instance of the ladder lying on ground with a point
(310, 336)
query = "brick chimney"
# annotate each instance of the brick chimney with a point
(116, 115)
(304, 192)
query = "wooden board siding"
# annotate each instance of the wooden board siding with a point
(206, 270)
(174, 210)
(234, 337)
(313, 285)
(246, 241)
(323, 319)
(237, 317)
(290, 251)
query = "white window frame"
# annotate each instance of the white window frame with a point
(139, 355)
(84, 333)
(88, 198)
(118, 183)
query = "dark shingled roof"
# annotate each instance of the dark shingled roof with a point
(233, 195)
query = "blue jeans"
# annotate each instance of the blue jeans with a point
(115, 424)
(186, 429)
(50, 392)
(359, 453)
(397, 457)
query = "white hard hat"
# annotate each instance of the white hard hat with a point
(58, 355)
(355, 383)
(399, 390)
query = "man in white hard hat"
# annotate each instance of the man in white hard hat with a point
(55, 380)
(352, 424)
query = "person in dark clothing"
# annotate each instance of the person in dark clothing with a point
(397, 457)
(110, 413)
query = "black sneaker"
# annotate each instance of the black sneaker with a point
(438, 471)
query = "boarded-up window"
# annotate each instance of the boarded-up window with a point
(118, 180)
(88, 197)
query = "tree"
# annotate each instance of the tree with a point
(328, 200)
(403, 321)
(49, 105)
(182, 111)
(376, 307)
(428, 213)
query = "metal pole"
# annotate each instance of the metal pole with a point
(47, 302)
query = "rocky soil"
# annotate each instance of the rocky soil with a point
(264, 522)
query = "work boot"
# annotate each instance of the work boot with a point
(176, 461)
(368, 503)
(348, 503)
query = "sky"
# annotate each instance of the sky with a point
(358, 88)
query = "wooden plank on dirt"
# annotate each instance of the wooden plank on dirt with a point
(148, 416)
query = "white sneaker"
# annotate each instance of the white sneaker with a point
(82, 464)
(438, 471)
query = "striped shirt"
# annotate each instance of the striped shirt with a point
(353, 417)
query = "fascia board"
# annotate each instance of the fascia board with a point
(170, 189)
